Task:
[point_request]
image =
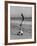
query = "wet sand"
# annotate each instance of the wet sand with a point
(26, 26)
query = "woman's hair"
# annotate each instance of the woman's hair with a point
(22, 16)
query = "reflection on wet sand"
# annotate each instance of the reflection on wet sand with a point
(26, 27)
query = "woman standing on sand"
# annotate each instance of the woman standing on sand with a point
(21, 31)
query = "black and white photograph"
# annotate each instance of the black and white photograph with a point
(21, 23)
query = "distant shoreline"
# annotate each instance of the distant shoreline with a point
(19, 18)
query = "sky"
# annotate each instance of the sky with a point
(15, 11)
